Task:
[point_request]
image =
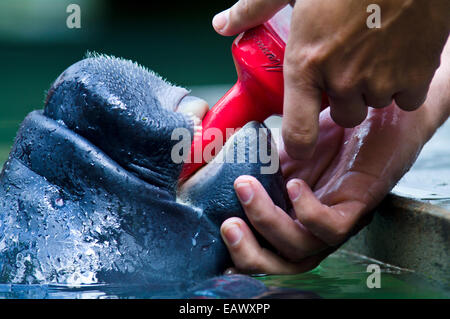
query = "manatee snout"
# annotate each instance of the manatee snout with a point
(90, 192)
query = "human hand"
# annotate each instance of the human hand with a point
(331, 49)
(333, 193)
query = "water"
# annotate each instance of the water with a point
(344, 275)
(341, 275)
(429, 178)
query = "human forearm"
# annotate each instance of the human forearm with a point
(438, 100)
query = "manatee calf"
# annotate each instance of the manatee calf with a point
(89, 193)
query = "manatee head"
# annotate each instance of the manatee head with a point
(90, 192)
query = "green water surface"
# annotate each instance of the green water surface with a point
(344, 275)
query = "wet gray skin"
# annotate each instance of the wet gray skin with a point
(89, 192)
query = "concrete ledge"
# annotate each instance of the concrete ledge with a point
(410, 234)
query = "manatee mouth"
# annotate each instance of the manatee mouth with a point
(244, 144)
(130, 113)
(251, 150)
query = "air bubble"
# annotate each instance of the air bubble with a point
(59, 202)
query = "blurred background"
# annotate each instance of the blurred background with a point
(173, 38)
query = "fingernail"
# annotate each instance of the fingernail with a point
(293, 189)
(232, 234)
(220, 20)
(245, 192)
(194, 105)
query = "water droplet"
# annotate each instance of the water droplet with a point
(59, 202)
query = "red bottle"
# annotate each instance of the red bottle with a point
(258, 93)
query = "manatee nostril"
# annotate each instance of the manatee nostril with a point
(194, 105)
